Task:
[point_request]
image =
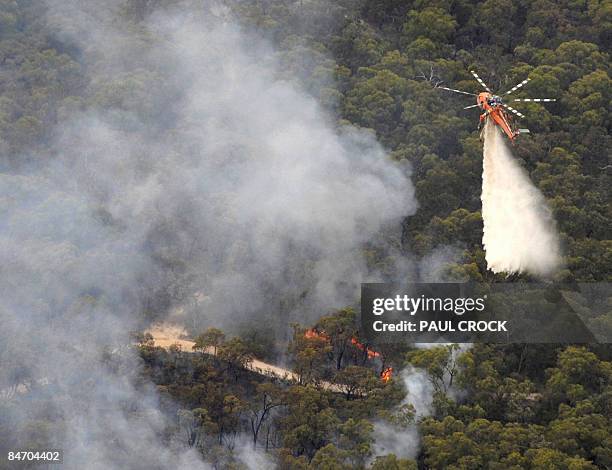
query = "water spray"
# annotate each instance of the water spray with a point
(519, 231)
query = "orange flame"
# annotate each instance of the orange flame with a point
(386, 374)
(371, 353)
(314, 334)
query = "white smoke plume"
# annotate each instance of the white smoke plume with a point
(519, 230)
(405, 442)
(200, 171)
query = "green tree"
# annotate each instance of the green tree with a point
(340, 328)
(236, 353)
(268, 397)
(330, 458)
(391, 462)
(211, 338)
(440, 363)
(356, 439)
(432, 23)
(310, 422)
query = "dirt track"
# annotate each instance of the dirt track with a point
(166, 336)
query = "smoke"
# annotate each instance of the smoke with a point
(519, 231)
(193, 169)
(433, 267)
(252, 459)
(404, 442)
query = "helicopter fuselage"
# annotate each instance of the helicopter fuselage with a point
(491, 107)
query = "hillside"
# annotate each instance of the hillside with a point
(238, 168)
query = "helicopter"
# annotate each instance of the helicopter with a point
(493, 107)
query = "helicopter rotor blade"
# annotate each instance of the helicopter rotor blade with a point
(516, 87)
(484, 85)
(457, 91)
(509, 108)
(471, 106)
(535, 99)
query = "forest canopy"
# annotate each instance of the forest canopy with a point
(374, 65)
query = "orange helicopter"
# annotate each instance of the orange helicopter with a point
(493, 107)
